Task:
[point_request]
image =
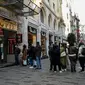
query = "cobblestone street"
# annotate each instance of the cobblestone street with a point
(18, 75)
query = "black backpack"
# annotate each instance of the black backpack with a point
(83, 51)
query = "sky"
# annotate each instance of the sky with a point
(79, 8)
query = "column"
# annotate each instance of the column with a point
(24, 31)
(47, 41)
(39, 34)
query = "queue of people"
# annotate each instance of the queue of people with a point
(30, 56)
(60, 56)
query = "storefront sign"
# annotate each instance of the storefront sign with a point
(8, 24)
(32, 30)
(43, 34)
(19, 38)
(8, 14)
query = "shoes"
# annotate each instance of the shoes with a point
(65, 69)
(81, 71)
(31, 67)
(55, 71)
(60, 71)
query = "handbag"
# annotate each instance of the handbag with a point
(25, 62)
(63, 54)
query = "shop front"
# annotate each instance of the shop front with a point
(43, 43)
(32, 35)
(8, 31)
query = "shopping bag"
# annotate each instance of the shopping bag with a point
(25, 62)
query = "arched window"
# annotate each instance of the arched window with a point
(41, 16)
(49, 20)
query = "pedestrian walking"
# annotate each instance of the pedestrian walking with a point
(81, 54)
(17, 52)
(24, 55)
(38, 50)
(63, 58)
(72, 57)
(56, 57)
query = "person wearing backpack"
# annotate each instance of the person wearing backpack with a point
(81, 55)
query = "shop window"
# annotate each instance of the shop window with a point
(11, 46)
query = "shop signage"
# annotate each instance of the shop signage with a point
(19, 38)
(8, 24)
(8, 14)
(43, 33)
(32, 30)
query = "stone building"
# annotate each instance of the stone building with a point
(46, 27)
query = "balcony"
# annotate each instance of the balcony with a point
(20, 8)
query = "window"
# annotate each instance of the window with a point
(67, 16)
(53, 6)
(54, 24)
(49, 19)
(41, 16)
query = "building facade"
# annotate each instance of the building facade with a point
(44, 27)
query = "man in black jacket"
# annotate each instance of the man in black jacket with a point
(38, 55)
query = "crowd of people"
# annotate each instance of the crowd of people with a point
(30, 56)
(60, 56)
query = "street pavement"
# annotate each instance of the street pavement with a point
(21, 75)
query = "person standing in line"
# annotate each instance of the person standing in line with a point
(72, 57)
(63, 57)
(50, 56)
(56, 57)
(81, 56)
(17, 52)
(32, 56)
(24, 55)
(38, 55)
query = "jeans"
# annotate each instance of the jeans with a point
(31, 61)
(16, 59)
(38, 62)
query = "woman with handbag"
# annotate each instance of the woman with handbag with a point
(63, 58)
(24, 55)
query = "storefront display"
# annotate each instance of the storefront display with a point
(43, 43)
(32, 35)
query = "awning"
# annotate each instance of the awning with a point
(20, 8)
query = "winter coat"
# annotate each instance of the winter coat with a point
(38, 51)
(80, 51)
(24, 56)
(32, 52)
(55, 55)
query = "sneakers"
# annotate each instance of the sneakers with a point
(31, 67)
(60, 71)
